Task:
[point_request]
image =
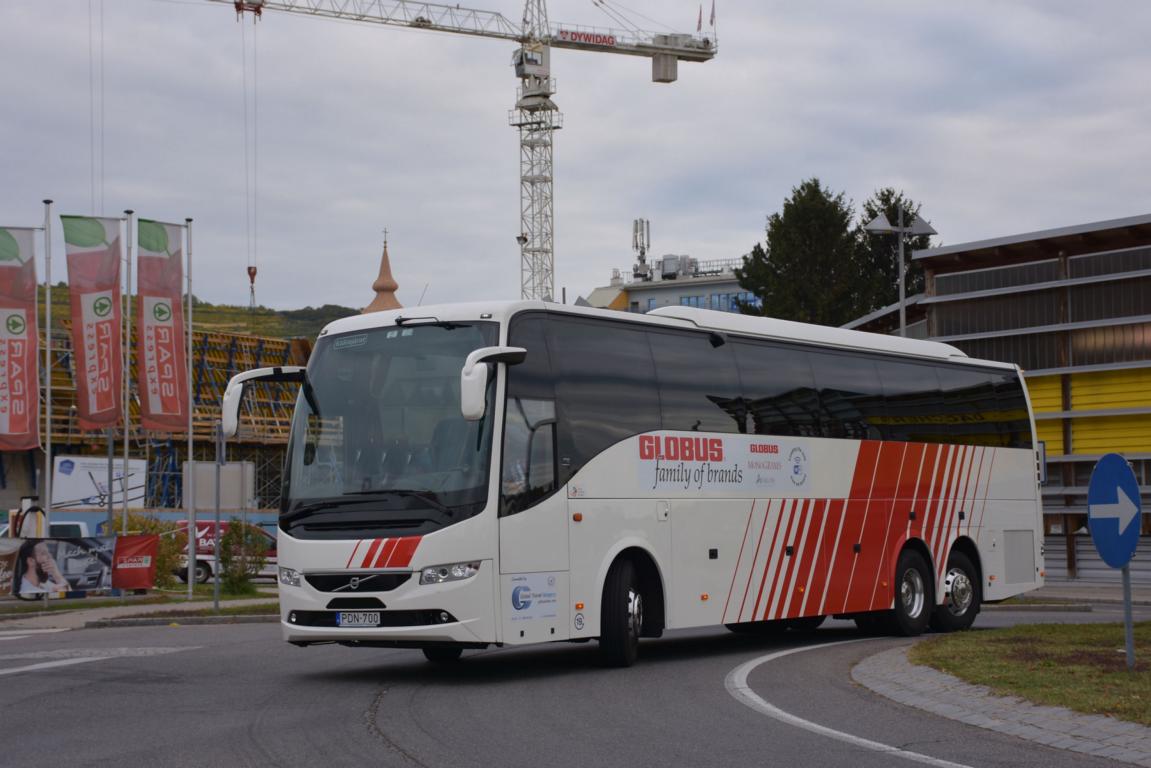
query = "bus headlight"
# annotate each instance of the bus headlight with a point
(437, 574)
(289, 576)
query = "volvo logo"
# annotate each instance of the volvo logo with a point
(354, 583)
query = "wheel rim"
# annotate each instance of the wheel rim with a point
(911, 593)
(634, 612)
(960, 592)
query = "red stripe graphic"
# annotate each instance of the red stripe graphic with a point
(900, 505)
(751, 571)
(353, 555)
(779, 598)
(938, 491)
(975, 491)
(958, 505)
(817, 556)
(371, 553)
(386, 552)
(402, 555)
(777, 557)
(838, 514)
(738, 560)
(843, 558)
(939, 534)
(987, 490)
(876, 519)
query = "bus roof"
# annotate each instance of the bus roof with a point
(673, 316)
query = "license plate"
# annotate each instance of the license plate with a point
(358, 619)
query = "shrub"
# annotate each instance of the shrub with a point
(242, 555)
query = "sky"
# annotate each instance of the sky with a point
(998, 117)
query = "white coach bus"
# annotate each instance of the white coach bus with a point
(468, 475)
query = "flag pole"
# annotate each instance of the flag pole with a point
(126, 376)
(48, 462)
(190, 475)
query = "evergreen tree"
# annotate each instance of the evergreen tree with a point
(879, 252)
(809, 268)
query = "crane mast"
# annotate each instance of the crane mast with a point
(535, 115)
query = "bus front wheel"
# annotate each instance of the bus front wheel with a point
(913, 594)
(622, 619)
(961, 598)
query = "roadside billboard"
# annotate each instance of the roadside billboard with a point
(81, 482)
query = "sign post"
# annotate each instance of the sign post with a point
(1113, 516)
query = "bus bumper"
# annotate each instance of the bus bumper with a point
(412, 615)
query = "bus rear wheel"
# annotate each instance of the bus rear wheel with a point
(622, 619)
(961, 596)
(913, 594)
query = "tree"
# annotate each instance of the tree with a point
(879, 253)
(808, 269)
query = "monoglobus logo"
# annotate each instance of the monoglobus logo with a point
(671, 448)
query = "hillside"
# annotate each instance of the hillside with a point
(262, 321)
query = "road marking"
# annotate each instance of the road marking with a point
(736, 684)
(50, 664)
(26, 632)
(13, 637)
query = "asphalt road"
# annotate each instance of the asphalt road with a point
(238, 696)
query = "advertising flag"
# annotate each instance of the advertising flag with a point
(134, 563)
(93, 249)
(160, 356)
(19, 343)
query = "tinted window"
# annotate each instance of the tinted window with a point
(849, 394)
(528, 474)
(779, 389)
(605, 385)
(698, 386)
(985, 407)
(912, 400)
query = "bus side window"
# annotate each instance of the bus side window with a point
(528, 473)
(778, 388)
(529, 454)
(849, 394)
(698, 385)
(913, 402)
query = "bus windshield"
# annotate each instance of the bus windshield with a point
(378, 444)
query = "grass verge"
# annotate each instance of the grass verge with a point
(9, 608)
(1079, 666)
(258, 609)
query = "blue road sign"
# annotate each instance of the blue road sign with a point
(1113, 507)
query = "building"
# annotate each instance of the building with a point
(1072, 307)
(674, 280)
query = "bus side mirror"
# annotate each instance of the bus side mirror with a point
(474, 377)
(234, 393)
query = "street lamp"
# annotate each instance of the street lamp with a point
(879, 226)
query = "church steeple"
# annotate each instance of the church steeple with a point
(385, 285)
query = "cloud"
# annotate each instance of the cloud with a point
(999, 118)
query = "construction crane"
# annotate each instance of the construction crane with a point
(535, 115)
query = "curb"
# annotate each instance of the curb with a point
(1042, 607)
(271, 618)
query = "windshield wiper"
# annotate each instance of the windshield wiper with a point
(307, 509)
(430, 497)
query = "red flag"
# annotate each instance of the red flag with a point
(160, 356)
(93, 249)
(712, 13)
(699, 22)
(134, 563)
(19, 343)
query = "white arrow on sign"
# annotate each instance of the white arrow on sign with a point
(1123, 510)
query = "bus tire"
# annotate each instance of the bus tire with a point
(804, 623)
(622, 619)
(442, 654)
(913, 594)
(961, 600)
